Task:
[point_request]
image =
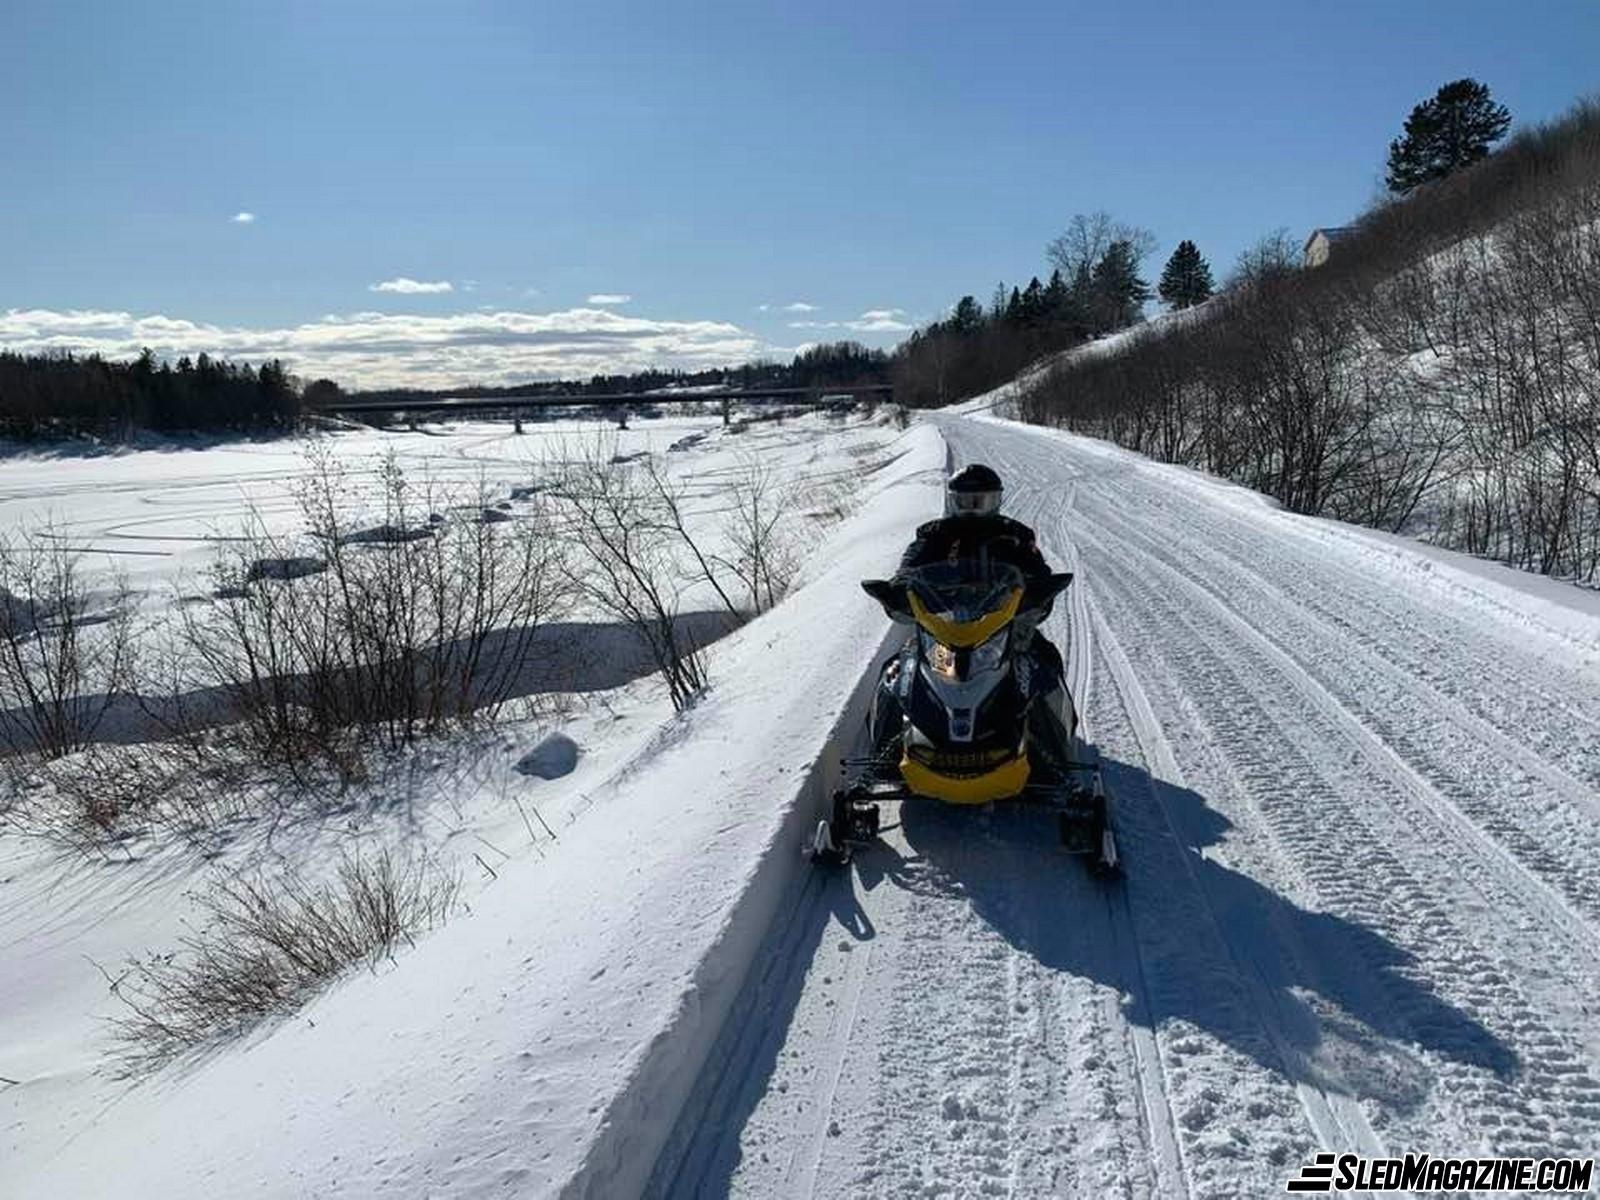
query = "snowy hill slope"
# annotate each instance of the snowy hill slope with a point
(1358, 785)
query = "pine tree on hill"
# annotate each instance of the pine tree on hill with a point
(1033, 309)
(1453, 130)
(1080, 300)
(1056, 297)
(997, 303)
(1119, 293)
(967, 318)
(1186, 279)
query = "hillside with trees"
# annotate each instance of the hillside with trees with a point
(1439, 375)
(1095, 287)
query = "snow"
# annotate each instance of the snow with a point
(1001, 401)
(1356, 787)
(531, 1044)
(1356, 780)
(158, 512)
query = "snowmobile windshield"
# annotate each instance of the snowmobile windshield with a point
(964, 603)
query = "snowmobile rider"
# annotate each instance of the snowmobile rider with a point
(972, 528)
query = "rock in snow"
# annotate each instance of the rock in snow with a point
(552, 758)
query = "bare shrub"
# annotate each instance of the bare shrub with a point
(623, 517)
(417, 620)
(763, 558)
(66, 649)
(267, 944)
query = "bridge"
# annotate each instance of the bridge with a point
(516, 407)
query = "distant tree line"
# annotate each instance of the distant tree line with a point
(63, 395)
(59, 394)
(1439, 374)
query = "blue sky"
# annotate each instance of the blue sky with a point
(873, 161)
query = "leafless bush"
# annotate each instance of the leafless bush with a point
(416, 620)
(763, 557)
(1270, 257)
(630, 528)
(66, 650)
(266, 945)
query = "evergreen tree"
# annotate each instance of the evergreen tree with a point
(1186, 280)
(997, 303)
(967, 318)
(1453, 130)
(1033, 307)
(1014, 307)
(1119, 293)
(1080, 300)
(1056, 297)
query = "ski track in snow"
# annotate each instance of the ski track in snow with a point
(1361, 909)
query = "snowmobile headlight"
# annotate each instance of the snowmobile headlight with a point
(941, 658)
(990, 654)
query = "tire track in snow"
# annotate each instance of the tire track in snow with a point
(1339, 1124)
(1556, 1087)
(1335, 1122)
(1434, 760)
(1529, 1105)
(1167, 1160)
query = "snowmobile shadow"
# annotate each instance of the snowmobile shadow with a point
(1313, 997)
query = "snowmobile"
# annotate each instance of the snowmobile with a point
(958, 716)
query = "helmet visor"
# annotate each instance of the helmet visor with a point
(976, 504)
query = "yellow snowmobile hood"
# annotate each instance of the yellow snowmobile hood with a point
(963, 635)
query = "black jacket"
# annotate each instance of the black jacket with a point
(981, 539)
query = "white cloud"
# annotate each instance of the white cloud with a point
(371, 349)
(402, 286)
(799, 306)
(874, 320)
(243, 218)
(610, 298)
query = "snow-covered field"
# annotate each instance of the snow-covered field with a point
(1357, 783)
(157, 515)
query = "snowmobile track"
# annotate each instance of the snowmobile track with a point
(1563, 889)
(1346, 863)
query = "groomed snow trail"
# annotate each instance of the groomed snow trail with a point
(1357, 796)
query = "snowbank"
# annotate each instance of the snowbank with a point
(542, 1042)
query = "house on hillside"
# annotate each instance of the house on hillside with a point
(1322, 241)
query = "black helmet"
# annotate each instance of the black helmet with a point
(973, 491)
